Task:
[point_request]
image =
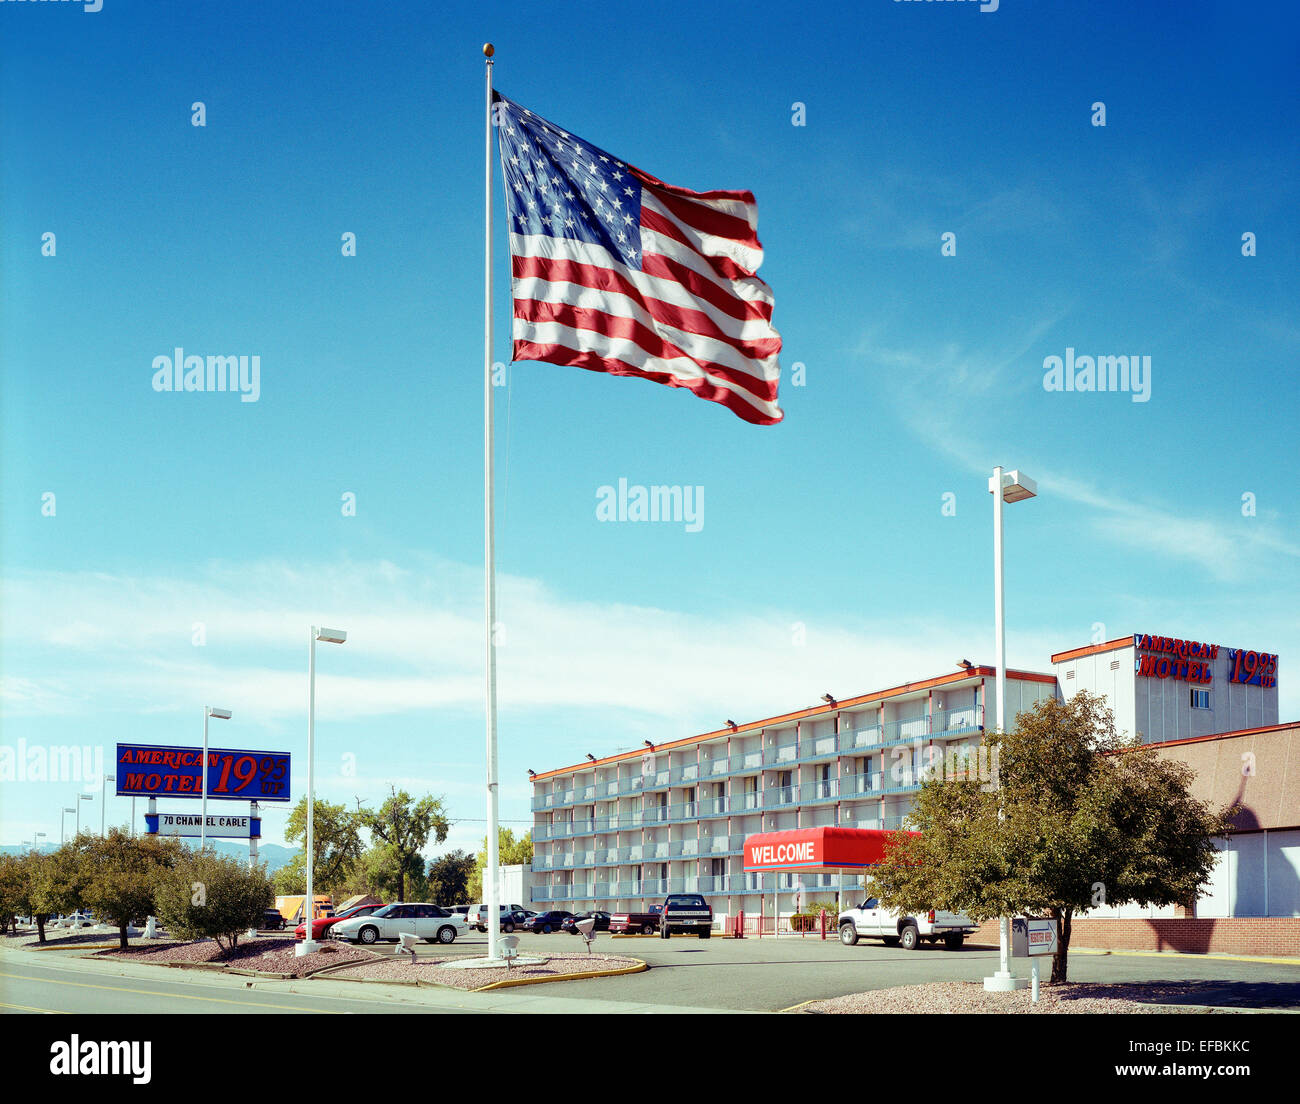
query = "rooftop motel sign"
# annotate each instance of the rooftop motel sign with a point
(1191, 661)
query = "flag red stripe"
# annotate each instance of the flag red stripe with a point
(670, 314)
(612, 325)
(708, 220)
(654, 264)
(723, 266)
(561, 354)
(721, 193)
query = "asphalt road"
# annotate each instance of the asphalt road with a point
(38, 982)
(772, 974)
(756, 975)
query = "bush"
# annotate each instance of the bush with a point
(809, 919)
(210, 896)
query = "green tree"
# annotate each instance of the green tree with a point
(400, 830)
(1087, 819)
(386, 874)
(125, 870)
(336, 845)
(58, 881)
(15, 894)
(206, 895)
(510, 852)
(448, 879)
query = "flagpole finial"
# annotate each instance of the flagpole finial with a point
(488, 49)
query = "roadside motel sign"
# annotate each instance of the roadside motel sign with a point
(1032, 937)
(220, 825)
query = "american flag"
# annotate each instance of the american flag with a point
(615, 271)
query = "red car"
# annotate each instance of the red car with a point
(322, 924)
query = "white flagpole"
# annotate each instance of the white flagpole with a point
(491, 875)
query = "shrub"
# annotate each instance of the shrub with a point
(207, 895)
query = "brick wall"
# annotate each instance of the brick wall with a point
(1274, 936)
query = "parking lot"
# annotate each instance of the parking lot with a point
(775, 973)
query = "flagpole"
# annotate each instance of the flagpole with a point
(491, 874)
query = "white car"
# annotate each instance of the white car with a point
(428, 922)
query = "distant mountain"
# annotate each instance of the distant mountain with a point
(272, 854)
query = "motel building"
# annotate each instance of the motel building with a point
(620, 832)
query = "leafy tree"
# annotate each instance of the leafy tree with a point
(386, 874)
(15, 894)
(336, 845)
(206, 895)
(58, 881)
(400, 829)
(1087, 820)
(124, 871)
(448, 879)
(510, 852)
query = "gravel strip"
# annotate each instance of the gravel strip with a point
(272, 956)
(434, 969)
(970, 996)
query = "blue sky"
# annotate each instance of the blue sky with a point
(921, 371)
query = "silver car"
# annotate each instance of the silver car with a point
(428, 922)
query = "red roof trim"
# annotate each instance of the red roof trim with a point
(805, 714)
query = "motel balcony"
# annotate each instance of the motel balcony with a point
(946, 724)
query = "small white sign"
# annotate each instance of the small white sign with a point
(188, 824)
(1032, 937)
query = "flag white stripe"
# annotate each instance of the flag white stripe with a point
(696, 346)
(750, 288)
(623, 349)
(650, 287)
(747, 256)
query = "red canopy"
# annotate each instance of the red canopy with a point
(826, 850)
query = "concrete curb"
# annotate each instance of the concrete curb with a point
(511, 983)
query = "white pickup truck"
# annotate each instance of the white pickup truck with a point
(870, 921)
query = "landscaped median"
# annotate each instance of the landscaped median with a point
(970, 996)
(268, 958)
(442, 972)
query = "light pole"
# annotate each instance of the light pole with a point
(63, 823)
(1009, 486)
(36, 840)
(80, 799)
(221, 715)
(328, 636)
(103, 800)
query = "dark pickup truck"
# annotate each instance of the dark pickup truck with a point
(688, 913)
(631, 923)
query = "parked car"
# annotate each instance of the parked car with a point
(546, 922)
(272, 920)
(688, 913)
(428, 922)
(870, 921)
(630, 923)
(570, 925)
(322, 924)
(512, 916)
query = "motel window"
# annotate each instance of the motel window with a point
(1200, 699)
